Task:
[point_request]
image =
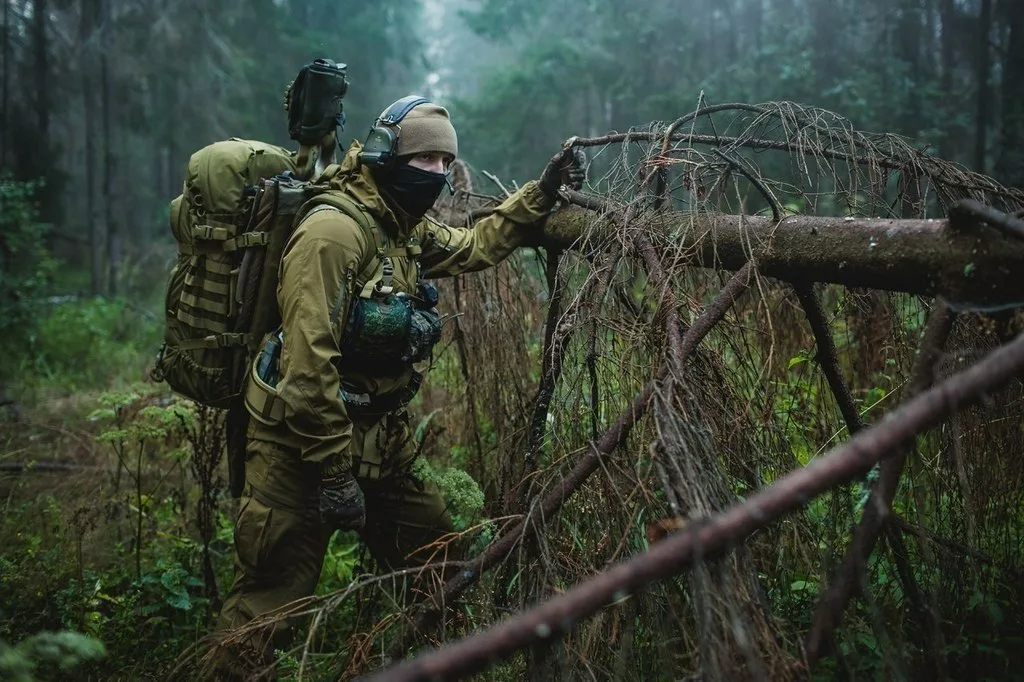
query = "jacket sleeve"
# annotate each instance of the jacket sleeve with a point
(315, 290)
(449, 251)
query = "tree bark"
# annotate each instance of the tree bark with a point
(972, 266)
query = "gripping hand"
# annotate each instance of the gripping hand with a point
(567, 167)
(341, 501)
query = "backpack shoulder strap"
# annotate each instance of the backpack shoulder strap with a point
(347, 205)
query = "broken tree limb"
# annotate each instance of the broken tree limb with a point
(712, 537)
(833, 600)
(978, 266)
(968, 211)
(827, 355)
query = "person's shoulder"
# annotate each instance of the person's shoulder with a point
(329, 223)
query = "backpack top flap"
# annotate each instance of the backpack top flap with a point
(214, 194)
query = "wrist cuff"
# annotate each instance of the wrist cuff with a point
(335, 467)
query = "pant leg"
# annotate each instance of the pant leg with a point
(279, 543)
(406, 518)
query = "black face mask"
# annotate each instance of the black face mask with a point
(412, 190)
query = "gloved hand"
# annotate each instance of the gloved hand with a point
(341, 500)
(567, 167)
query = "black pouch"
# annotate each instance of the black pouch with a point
(424, 333)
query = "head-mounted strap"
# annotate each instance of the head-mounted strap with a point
(397, 111)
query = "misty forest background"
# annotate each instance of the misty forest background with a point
(102, 103)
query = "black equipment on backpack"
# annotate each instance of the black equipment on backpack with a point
(381, 144)
(314, 101)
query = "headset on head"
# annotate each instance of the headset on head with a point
(381, 144)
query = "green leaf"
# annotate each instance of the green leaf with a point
(178, 599)
(421, 428)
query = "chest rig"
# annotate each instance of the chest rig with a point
(387, 329)
(384, 331)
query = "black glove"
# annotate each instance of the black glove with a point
(341, 500)
(567, 167)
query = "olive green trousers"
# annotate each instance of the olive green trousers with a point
(280, 542)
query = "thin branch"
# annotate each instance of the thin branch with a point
(551, 363)
(713, 537)
(494, 178)
(832, 602)
(553, 500)
(828, 356)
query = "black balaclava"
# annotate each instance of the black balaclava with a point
(408, 190)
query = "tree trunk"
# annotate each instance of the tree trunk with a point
(5, 121)
(87, 38)
(114, 246)
(172, 169)
(972, 265)
(909, 50)
(947, 145)
(1010, 160)
(39, 164)
(984, 70)
(41, 67)
(827, 46)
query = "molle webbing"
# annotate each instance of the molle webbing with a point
(215, 223)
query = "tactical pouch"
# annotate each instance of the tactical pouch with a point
(376, 333)
(261, 399)
(362, 404)
(424, 333)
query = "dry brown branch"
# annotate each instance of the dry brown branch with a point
(553, 499)
(844, 584)
(709, 538)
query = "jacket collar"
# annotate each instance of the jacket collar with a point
(356, 180)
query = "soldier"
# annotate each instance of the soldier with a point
(329, 445)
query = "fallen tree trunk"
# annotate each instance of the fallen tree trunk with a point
(973, 267)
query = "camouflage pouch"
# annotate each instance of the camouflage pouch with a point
(377, 333)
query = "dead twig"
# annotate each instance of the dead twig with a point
(714, 536)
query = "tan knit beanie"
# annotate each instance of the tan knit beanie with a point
(427, 128)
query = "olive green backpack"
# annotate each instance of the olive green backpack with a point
(240, 203)
(206, 337)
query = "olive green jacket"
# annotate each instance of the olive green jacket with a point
(318, 282)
